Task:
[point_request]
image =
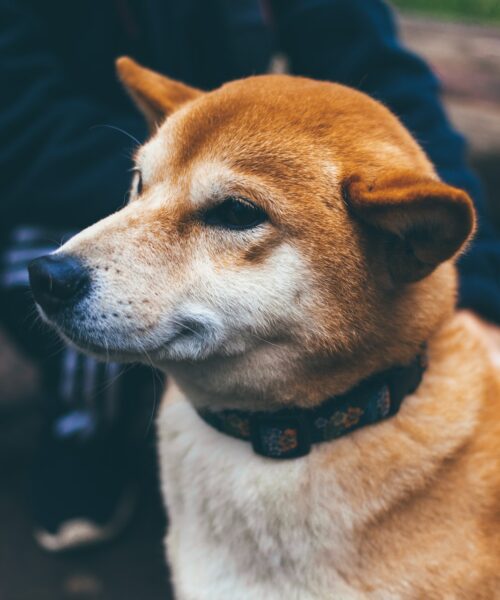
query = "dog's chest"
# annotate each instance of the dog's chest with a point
(248, 527)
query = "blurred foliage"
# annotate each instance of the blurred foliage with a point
(480, 10)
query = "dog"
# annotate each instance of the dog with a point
(331, 424)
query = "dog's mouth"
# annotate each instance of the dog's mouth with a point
(85, 312)
(96, 341)
(182, 338)
(100, 346)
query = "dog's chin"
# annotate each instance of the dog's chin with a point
(101, 347)
(193, 341)
(101, 351)
(191, 347)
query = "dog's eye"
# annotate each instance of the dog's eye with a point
(235, 213)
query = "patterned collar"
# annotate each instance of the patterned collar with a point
(290, 432)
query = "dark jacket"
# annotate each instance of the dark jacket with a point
(61, 165)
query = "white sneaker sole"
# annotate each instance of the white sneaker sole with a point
(79, 533)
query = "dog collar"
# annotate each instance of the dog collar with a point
(291, 432)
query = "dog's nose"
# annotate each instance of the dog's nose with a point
(57, 280)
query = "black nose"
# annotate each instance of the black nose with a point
(57, 280)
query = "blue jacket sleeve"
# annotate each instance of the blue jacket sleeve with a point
(58, 169)
(355, 42)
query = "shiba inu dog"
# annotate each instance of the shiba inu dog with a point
(331, 425)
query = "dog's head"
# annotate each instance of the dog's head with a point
(275, 216)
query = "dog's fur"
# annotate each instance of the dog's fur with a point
(350, 275)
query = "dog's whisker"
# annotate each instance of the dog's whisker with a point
(106, 348)
(153, 375)
(129, 135)
(104, 387)
(264, 340)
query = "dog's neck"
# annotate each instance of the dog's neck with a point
(303, 367)
(273, 377)
(292, 431)
(452, 363)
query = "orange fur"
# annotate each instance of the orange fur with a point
(156, 95)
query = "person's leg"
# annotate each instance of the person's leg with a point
(83, 482)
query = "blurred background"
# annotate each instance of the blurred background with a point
(461, 40)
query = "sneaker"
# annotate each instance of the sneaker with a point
(83, 486)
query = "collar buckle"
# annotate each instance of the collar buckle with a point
(280, 436)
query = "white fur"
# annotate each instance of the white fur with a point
(210, 180)
(244, 527)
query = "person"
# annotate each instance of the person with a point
(69, 130)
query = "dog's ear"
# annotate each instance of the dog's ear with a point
(423, 222)
(155, 95)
